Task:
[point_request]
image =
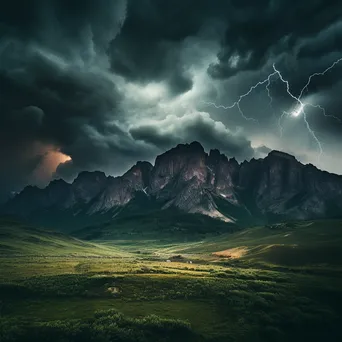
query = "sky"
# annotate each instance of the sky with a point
(101, 84)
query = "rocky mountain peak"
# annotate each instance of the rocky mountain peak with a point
(139, 174)
(184, 149)
(188, 178)
(90, 176)
(59, 183)
(280, 155)
(183, 162)
(88, 184)
(194, 146)
(215, 156)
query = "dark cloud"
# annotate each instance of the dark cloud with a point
(16, 173)
(32, 115)
(61, 101)
(62, 25)
(110, 82)
(149, 45)
(152, 135)
(327, 41)
(213, 134)
(262, 151)
(194, 126)
(265, 29)
(50, 91)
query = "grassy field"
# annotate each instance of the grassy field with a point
(273, 283)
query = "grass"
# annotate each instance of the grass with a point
(76, 308)
(17, 239)
(274, 283)
(305, 244)
(105, 325)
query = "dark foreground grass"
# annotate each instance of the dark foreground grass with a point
(218, 307)
(105, 326)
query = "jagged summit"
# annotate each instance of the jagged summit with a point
(193, 146)
(90, 175)
(280, 154)
(186, 177)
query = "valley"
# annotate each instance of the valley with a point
(265, 283)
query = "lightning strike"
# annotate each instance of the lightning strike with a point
(318, 74)
(281, 129)
(269, 95)
(299, 109)
(237, 103)
(324, 112)
(313, 135)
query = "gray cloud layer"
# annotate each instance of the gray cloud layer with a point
(111, 82)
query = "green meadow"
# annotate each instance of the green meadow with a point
(267, 283)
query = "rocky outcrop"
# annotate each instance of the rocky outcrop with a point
(286, 188)
(186, 177)
(224, 175)
(88, 185)
(177, 166)
(120, 190)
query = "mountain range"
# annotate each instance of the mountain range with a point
(188, 179)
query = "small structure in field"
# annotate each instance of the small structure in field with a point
(113, 290)
(168, 260)
(177, 258)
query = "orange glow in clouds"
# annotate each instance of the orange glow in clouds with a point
(52, 158)
(59, 157)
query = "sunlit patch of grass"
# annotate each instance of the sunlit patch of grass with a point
(234, 253)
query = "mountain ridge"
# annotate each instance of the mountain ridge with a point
(187, 178)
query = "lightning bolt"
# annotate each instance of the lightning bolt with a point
(269, 95)
(237, 103)
(324, 112)
(302, 109)
(281, 129)
(318, 74)
(303, 105)
(298, 99)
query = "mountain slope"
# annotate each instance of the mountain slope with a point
(187, 178)
(169, 224)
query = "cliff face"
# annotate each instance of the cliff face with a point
(186, 177)
(177, 166)
(287, 188)
(120, 190)
(88, 185)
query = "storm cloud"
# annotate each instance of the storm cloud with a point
(88, 85)
(197, 126)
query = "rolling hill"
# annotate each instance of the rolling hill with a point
(18, 239)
